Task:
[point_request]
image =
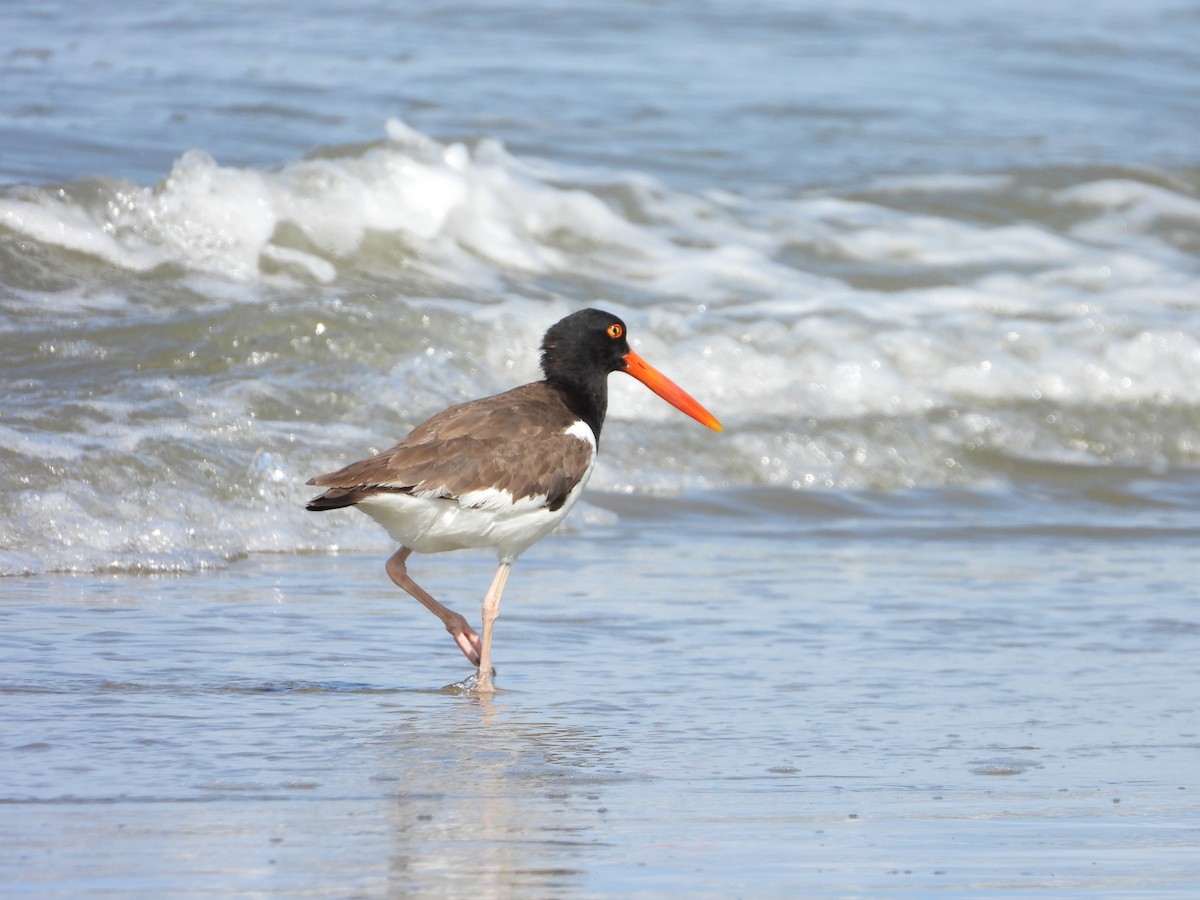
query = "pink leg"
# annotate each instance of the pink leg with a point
(491, 609)
(464, 635)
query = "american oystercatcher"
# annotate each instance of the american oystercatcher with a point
(502, 471)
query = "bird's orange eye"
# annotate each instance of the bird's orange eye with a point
(615, 331)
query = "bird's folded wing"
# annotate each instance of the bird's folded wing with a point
(474, 471)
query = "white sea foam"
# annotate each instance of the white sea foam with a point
(258, 327)
(1145, 202)
(465, 215)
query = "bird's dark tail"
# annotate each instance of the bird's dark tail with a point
(335, 498)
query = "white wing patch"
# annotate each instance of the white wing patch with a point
(501, 501)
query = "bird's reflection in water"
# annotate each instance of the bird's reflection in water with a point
(494, 800)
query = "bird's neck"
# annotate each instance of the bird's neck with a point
(586, 399)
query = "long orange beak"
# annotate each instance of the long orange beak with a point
(669, 390)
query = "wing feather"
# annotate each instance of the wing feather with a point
(516, 442)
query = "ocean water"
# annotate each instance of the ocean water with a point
(923, 618)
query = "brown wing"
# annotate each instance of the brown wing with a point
(514, 442)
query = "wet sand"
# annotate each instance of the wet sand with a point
(830, 698)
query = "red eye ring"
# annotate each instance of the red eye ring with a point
(615, 331)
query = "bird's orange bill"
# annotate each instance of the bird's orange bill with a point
(669, 390)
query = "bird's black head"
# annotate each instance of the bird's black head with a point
(584, 345)
(578, 353)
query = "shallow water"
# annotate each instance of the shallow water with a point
(837, 700)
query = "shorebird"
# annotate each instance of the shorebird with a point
(500, 472)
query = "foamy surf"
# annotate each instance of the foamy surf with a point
(181, 357)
